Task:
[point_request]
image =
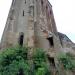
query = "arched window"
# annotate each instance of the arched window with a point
(50, 39)
(21, 37)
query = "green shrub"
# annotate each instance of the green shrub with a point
(68, 60)
(14, 61)
(40, 64)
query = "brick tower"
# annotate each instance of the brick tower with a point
(31, 23)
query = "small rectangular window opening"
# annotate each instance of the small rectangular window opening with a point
(23, 12)
(50, 12)
(50, 39)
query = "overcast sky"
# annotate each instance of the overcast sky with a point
(64, 13)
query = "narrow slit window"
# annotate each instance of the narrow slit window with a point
(25, 1)
(21, 39)
(23, 12)
(46, 7)
(42, 2)
(13, 2)
(50, 39)
(50, 12)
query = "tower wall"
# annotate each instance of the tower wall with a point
(34, 20)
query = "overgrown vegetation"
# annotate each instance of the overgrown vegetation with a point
(14, 61)
(67, 60)
(40, 63)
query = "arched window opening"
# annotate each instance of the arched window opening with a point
(21, 38)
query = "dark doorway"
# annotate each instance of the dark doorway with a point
(51, 61)
(50, 39)
(21, 38)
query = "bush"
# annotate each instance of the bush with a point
(40, 64)
(14, 61)
(68, 60)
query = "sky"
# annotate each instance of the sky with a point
(64, 14)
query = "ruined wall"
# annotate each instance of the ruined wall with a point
(35, 20)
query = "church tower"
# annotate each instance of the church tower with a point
(30, 23)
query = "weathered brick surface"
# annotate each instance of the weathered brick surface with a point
(35, 20)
